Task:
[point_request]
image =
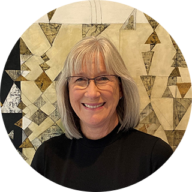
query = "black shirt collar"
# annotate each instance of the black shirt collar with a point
(108, 139)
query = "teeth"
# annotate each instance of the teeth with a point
(93, 107)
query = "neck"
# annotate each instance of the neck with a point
(95, 132)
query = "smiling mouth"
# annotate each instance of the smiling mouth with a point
(93, 106)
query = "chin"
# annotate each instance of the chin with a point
(94, 121)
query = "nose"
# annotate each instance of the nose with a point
(92, 91)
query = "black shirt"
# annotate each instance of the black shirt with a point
(118, 160)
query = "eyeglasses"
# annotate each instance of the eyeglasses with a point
(102, 82)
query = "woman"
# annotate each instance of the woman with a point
(99, 107)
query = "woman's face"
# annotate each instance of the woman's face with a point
(95, 107)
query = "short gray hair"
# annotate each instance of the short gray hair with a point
(84, 52)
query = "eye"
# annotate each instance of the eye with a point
(80, 79)
(102, 78)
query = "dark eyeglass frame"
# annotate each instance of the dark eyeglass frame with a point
(94, 79)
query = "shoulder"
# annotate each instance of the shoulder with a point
(140, 137)
(146, 142)
(159, 148)
(55, 143)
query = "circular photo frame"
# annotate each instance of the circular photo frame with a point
(152, 56)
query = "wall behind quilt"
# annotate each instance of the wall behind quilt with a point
(28, 97)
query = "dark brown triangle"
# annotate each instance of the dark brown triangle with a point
(21, 78)
(19, 123)
(183, 88)
(50, 14)
(153, 39)
(175, 72)
(21, 105)
(26, 144)
(50, 30)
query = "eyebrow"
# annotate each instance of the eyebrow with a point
(85, 74)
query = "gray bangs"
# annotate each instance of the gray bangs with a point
(83, 59)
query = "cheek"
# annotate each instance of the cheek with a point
(116, 92)
(71, 97)
(74, 98)
(113, 97)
